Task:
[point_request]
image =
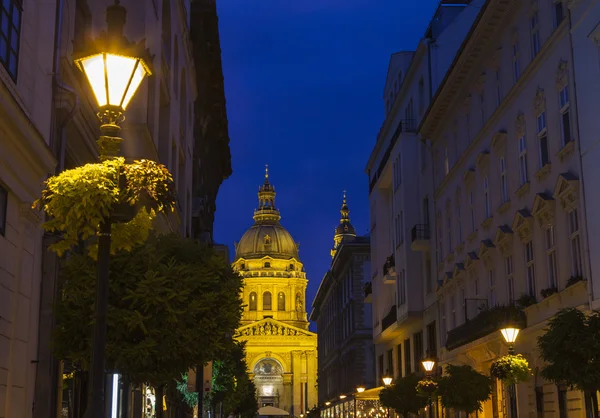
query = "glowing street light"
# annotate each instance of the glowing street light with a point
(360, 389)
(387, 379)
(428, 364)
(510, 336)
(342, 396)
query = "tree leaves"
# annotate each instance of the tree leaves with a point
(402, 396)
(171, 303)
(464, 389)
(571, 349)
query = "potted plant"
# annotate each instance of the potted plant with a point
(464, 389)
(426, 386)
(548, 292)
(511, 369)
(574, 279)
(526, 300)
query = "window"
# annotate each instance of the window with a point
(431, 340)
(428, 277)
(292, 268)
(486, 194)
(543, 139)
(380, 364)
(10, 33)
(267, 301)
(498, 88)
(565, 121)
(407, 368)
(252, 302)
(516, 62)
(443, 332)
(390, 361)
(539, 401)
(472, 210)
(476, 286)
(535, 34)
(397, 171)
(551, 256)
(452, 311)
(418, 348)
(510, 282)
(402, 288)
(503, 180)
(267, 264)
(449, 229)
(576, 266)
(563, 408)
(281, 301)
(492, 288)
(399, 360)
(482, 109)
(446, 161)
(523, 160)
(530, 269)
(459, 236)
(559, 13)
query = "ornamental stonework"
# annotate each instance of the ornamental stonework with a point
(269, 328)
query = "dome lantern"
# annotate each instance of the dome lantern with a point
(344, 230)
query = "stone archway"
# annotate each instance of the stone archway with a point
(268, 378)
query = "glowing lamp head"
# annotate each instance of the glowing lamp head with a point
(360, 389)
(428, 364)
(327, 403)
(342, 396)
(113, 78)
(387, 379)
(510, 334)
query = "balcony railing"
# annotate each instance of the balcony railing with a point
(390, 319)
(420, 232)
(389, 267)
(485, 323)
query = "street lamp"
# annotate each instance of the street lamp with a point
(387, 379)
(428, 364)
(327, 403)
(360, 389)
(114, 69)
(510, 334)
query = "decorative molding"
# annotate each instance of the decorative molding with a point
(543, 172)
(459, 268)
(468, 176)
(522, 191)
(485, 252)
(539, 101)
(471, 261)
(523, 225)
(499, 142)
(504, 240)
(566, 151)
(487, 222)
(562, 74)
(520, 125)
(543, 210)
(503, 208)
(566, 191)
(269, 327)
(471, 237)
(483, 159)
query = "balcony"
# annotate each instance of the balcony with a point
(420, 237)
(368, 292)
(389, 319)
(389, 270)
(486, 322)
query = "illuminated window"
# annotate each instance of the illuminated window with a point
(10, 33)
(267, 301)
(252, 302)
(281, 302)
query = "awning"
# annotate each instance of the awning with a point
(270, 411)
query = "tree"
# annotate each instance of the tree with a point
(464, 389)
(232, 390)
(164, 297)
(315, 412)
(571, 348)
(402, 396)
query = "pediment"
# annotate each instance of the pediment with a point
(566, 191)
(522, 225)
(543, 209)
(468, 175)
(269, 327)
(458, 269)
(484, 248)
(504, 239)
(482, 159)
(471, 260)
(447, 277)
(498, 141)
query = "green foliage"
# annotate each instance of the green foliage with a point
(464, 389)
(78, 200)
(402, 396)
(164, 297)
(571, 349)
(511, 369)
(526, 300)
(426, 386)
(190, 398)
(231, 384)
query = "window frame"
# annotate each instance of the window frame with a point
(493, 301)
(510, 280)
(13, 29)
(523, 169)
(486, 195)
(503, 180)
(516, 61)
(530, 269)
(542, 134)
(3, 210)
(575, 244)
(565, 107)
(534, 27)
(550, 240)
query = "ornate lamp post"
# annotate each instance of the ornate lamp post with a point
(428, 364)
(510, 334)
(114, 69)
(387, 379)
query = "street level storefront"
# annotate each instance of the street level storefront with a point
(365, 404)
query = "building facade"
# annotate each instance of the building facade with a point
(510, 226)
(281, 352)
(402, 200)
(343, 319)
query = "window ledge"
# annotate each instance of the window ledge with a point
(543, 172)
(459, 248)
(486, 223)
(503, 208)
(521, 191)
(566, 151)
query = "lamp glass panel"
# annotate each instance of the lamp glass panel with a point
(119, 70)
(360, 389)
(136, 80)
(428, 365)
(510, 334)
(387, 380)
(94, 72)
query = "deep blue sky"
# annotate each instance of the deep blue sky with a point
(304, 83)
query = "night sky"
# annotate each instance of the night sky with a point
(304, 84)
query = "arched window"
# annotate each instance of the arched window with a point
(267, 301)
(252, 302)
(281, 302)
(267, 264)
(292, 267)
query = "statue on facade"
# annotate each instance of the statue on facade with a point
(299, 303)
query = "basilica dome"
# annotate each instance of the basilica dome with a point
(266, 237)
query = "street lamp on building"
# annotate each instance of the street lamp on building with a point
(387, 379)
(360, 389)
(114, 69)
(510, 334)
(428, 364)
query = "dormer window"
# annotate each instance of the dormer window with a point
(242, 266)
(267, 264)
(292, 267)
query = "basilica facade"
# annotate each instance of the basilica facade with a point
(281, 352)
